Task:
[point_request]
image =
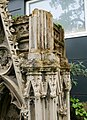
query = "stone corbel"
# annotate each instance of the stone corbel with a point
(63, 110)
(37, 87)
(35, 81)
(67, 81)
(50, 78)
(43, 88)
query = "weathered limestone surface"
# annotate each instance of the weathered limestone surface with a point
(34, 69)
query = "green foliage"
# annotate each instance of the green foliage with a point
(77, 69)
(15, 17)
(78, 108)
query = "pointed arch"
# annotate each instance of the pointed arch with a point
(48, 90)
(6, 109)
(28, 88)
(31, 90)
(13, 89)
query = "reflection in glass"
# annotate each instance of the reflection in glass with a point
(68, 13)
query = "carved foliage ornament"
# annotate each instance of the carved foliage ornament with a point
(5, 60)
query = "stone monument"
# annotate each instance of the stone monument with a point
(34, 70)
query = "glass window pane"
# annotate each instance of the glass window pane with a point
(68, 13)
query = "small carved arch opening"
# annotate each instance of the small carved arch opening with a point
(22, 118)
(31, 92)
(48, 92)
(64, 91)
